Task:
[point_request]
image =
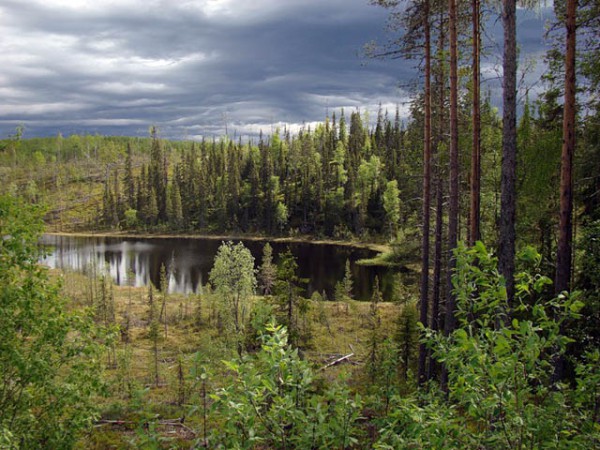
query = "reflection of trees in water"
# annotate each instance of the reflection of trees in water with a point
(189, 261)
(94, 257)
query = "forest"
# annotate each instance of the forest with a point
(489, 216)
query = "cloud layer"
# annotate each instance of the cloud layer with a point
(189, 66)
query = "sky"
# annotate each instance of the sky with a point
(199, 68)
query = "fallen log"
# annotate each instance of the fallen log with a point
(338, 361)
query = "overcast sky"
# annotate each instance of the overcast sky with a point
(192, 66)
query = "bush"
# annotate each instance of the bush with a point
(272, 403)
(49, 361)
(500, 392)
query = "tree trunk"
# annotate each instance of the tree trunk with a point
(564, 250)
(474, 217)
(506, 250)
(450, 322)
(439, 195)
(424, 301)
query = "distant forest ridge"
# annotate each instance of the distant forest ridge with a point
(339, 178)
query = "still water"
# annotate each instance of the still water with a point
(189, 261)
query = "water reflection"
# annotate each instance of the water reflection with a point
(189, 261)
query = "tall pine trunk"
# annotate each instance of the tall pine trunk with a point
(439, 196)
(424, 300)
(474, 213)
(564, 250)
(450, 322)
(506, 250)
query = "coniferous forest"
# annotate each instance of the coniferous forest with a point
(488, 215)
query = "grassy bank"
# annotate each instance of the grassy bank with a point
(189, 343)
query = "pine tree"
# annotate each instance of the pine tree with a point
(268, 271)
(174, 206)
(288, 297)
(474, 211)
(164, 290)
(453, 212)
(436, 322)
(142, 197)
(157, 175)
(506, 246)
(375, 337)
(407, 338)
(234, 183)
(348, 282)
(151, 212)
(562, 280)
(424, 285)
(153, 332)
(129, 179)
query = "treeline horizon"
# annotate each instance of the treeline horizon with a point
(342, 162)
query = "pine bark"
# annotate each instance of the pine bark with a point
(424, 298)
(564, 250)
(506, 250)
(432, 369)
(450, 322)
(474, 212)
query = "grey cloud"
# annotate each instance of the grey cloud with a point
(187, 68)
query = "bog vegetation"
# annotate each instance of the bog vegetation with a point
(497, 347)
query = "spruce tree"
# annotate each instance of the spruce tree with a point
(288, 296)
(374, 339)
(268, 271)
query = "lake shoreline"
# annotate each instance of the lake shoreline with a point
(190, 259)
(380, 248)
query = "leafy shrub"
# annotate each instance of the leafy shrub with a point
(49, 358)
(272, 403)
(500, 393)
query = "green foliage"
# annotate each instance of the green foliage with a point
(49, 360)
(131, 218)
(320, 181)
(375, 335)
(281, 216)
(348, 282)
(174, 207)
(154, 336)
(391, 205)
(261, 316)
(500, 393)
(290, 303)
(539, 141)
(233, 278)
(38, 158)
(407, 338)
(343, 288)
(272, 403)
(268, 271)
(587, 330)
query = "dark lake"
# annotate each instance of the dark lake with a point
(189, 261)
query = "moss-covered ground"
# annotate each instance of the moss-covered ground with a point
(135, 402)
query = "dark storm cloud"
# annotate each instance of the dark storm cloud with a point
(190, 67)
